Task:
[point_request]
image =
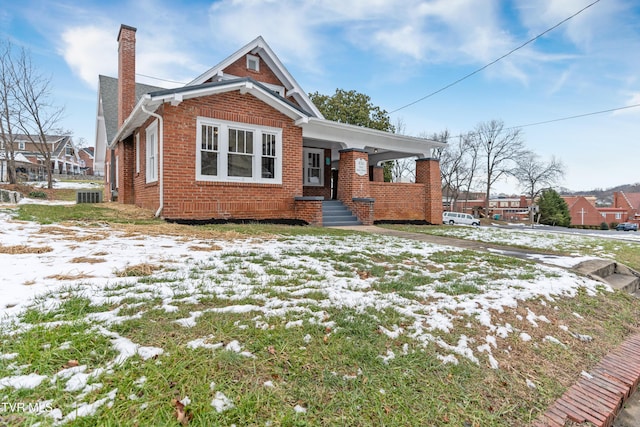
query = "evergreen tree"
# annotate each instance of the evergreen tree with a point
(553, 209)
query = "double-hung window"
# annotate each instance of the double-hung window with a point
(229, 151)
(152, 152)
(313, 167)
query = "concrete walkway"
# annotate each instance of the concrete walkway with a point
(610, 398)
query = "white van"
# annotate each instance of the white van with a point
(459, 218)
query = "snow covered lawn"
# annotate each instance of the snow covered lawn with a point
(127, 327)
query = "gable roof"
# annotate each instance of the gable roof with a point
(633, 199)
(151, 101)
(108, 97)
(260, 47)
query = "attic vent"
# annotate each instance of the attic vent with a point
(253, 63)
(89, 196)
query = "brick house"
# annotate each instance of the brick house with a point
(583, 210)
(30, 162)
(86, 160)
(243, 141)
(629, 203)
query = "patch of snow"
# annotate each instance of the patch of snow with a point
(553, 340)
(525, 336)
(221, 402)
(531, 384)
(300, 409)
(389, 356)
(19, 382)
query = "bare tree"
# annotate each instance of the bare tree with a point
(37, 116)
(499, 148)
(534, 175)
(7, 113)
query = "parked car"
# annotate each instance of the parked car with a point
(627, 226)
(459, 218)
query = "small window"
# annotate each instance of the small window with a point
(152, 153)
(137, 152)
(313, 168)
(21, 145)
(209, 150)
(253, 63)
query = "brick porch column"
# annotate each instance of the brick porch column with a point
(428, 173)
(353, 181)
(378, 174)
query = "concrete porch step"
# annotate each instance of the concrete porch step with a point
(335, 213)
(616, 275)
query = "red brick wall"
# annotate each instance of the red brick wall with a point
(186, 198)
(428, 173)
(309, 211)
(126, 72)
(398, 201)
(363, 210)
(239, 69)
(125, 171)
(351, 184)
(591, 215)
(147, 195)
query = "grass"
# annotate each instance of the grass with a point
(354, 332)
(625, 252)
(337, 373)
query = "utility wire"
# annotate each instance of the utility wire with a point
(593, 113)
(496, 60)
(166, 80)
(577, 116)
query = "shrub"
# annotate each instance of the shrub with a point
(604, 226)
(38, 195)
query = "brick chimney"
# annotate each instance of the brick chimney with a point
(126, 72)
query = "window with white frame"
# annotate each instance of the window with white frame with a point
(21, 145)
(152, 152)
(137, 152)
(253, 63)
(618, 215)
(313, 168)
(228, 151)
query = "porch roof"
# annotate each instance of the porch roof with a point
(381, 145)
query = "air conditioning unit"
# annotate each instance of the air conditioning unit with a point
(89, 196)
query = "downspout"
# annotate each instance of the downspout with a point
(160, 155)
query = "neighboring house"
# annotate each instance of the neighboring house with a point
(630, 203)
(86, 160)
(244, 141)
(30, 163)
(507, 208)
(583, 211)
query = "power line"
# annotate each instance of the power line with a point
(593, 113)
(496, 60)
(577, 116)
(166, 80)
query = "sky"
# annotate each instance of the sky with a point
(395, 51)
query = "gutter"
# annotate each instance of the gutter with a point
(160, 155)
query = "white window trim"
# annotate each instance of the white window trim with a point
(138, 152)
(257, 61)
(117, 171)
(223, 151)
(319, 151)
(151, 173)
(22, 145)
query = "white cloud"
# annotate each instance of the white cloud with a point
(89, 51)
